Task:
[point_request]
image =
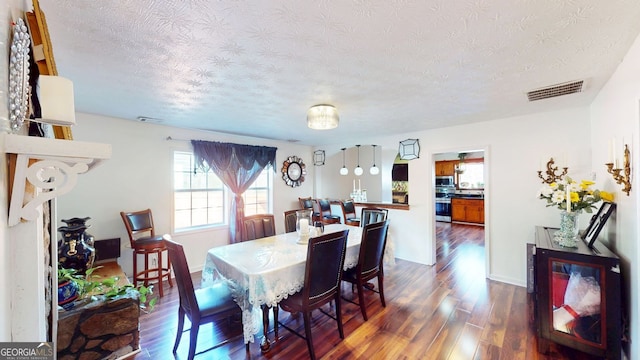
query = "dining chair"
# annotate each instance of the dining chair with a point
(372, 245)
(372, 215)
(322, 277)
(258, 226)
(309, 203)
(143, 240)
(201, 306)
(325, 212)
(349, 213)
(290, 220)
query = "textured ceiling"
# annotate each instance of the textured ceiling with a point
(389, 66)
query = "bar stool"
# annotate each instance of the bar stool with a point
(144, 242)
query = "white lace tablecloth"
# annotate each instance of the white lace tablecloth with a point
(267, 270)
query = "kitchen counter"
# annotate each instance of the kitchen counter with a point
(383, 205)
(470, 197)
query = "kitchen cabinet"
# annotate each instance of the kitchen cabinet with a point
(467, 210)
(445, 168)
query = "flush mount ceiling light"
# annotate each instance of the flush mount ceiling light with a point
(344, 170)
(358, 170)
(374, 170)
(322, 117)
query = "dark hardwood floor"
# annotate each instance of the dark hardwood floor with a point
(447, 311)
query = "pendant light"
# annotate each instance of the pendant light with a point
(344, 170)
(358, 170)
(374, 170)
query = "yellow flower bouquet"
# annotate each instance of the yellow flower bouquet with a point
(581, 195)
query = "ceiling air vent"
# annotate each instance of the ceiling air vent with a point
(149, 119)
(556, 90)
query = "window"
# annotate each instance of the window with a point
(472, 177)
(199, 198)
(257, 197)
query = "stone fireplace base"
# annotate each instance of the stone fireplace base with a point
(103, 329)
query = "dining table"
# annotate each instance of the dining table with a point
(262, 272)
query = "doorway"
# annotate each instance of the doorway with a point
(466, 202)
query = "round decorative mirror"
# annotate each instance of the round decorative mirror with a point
(293, 171)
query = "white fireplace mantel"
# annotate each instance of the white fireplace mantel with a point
(47, 164)
(44, 169)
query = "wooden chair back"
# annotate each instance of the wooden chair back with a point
(290, 220)
(186, 290)
(307, 203)
(259, 226)
(138, 224)
(372, 245)
(323, 269)
(349, 213)
(372, 215)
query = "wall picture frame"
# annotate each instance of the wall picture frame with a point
(597, 222)
(318, 157)
(409, 149)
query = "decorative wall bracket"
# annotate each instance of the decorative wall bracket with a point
(626, 166)
(45, 169)
(550, 174)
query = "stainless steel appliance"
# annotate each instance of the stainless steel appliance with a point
(445, 181)
(443, 202)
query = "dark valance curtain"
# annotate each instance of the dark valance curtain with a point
(237, 166)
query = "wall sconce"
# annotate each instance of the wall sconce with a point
(358, 170)
(551, 175)
(343, 171)
(409, 149)
(318, 157)
(626, 166)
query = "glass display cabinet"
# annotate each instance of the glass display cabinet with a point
(577, 296)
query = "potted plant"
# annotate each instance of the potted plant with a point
(73, 287)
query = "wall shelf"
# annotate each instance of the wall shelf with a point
(46, 168)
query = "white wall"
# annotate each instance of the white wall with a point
(616, 113)
(9, 11)
(514, 150)
(139, 176)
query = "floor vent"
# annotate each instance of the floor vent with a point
(556, 90)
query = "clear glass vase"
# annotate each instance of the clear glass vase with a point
(567, 236)
(303, 225)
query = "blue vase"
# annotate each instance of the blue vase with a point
(75, 249)
(67, 294)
